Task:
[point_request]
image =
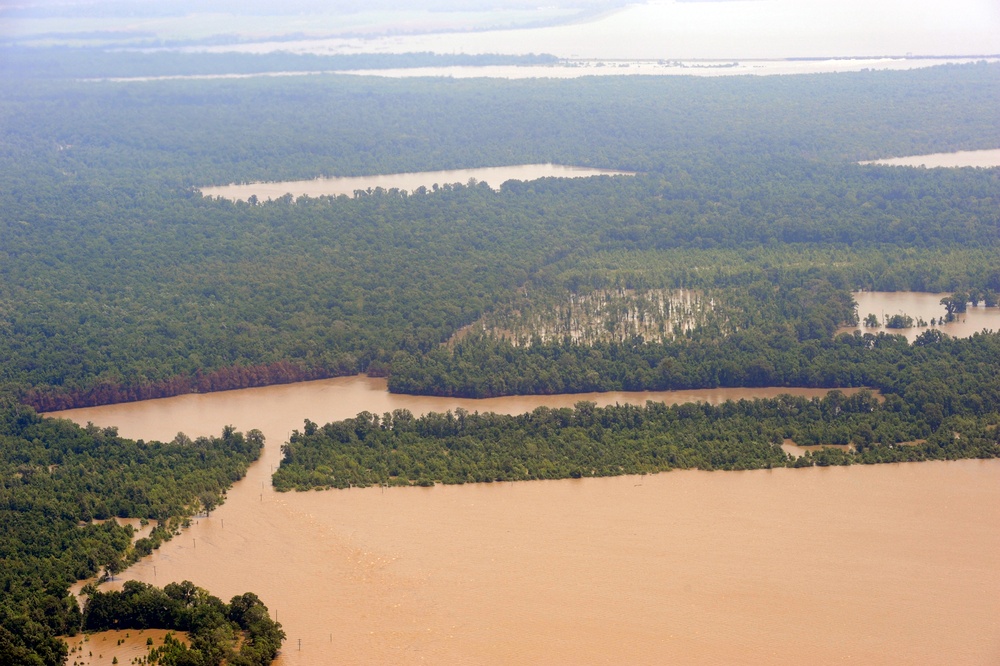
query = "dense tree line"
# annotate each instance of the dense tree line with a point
(194, 133)
(941, 398)
(60, 485)
(240, 633)
(119, 282)
(104, 302)
(800, 352)
(459, 447)
(664, 294)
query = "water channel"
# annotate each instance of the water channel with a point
(875, 564)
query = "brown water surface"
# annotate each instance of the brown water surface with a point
(102, 647)
(924, 305)
(869, 564)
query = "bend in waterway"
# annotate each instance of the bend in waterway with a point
(880, 564)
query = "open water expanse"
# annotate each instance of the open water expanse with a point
(960, 158)
(923, 305)
(573, 69)
(882, 564)
(496, 176)
(316, 187)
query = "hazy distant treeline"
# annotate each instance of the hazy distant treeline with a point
(33, 63)
(191, 133)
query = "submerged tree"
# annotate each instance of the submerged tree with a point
(209, 501)
(954, 304)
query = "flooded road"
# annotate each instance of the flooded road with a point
(869, 564)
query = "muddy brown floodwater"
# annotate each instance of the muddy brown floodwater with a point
(127, 646)
(886, 564)
(924, 305)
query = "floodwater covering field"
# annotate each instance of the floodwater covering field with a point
(127, 646)
(873, 564)
(961, 158)
(924, 306)
(493, 176)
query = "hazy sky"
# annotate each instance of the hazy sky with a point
(659, 29)
(742, 29)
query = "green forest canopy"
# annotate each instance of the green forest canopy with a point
(59, 486)
(119, 282)
(459, 447)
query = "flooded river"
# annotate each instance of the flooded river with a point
(873, 565)
(494, 176)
